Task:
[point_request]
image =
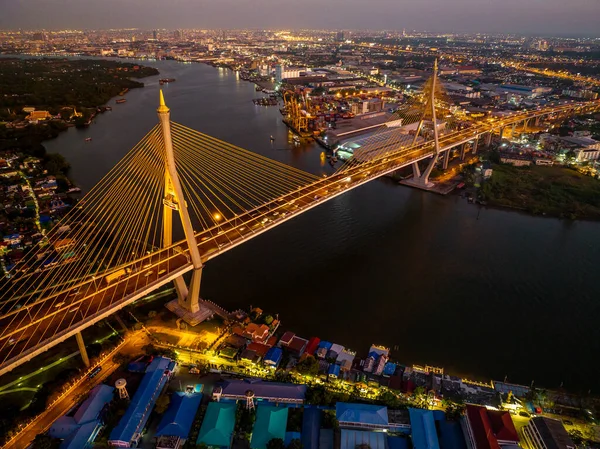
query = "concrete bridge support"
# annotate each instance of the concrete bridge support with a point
(446, 159)
(488, 139)
(416, 170)
(82, 350)
(537, 121)
(475, 144)
(463, 150)
(422, 179)
(501, 133)
(513, 130)
(188, 297)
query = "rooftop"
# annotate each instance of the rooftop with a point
(264, 390)
(218, 423)
(271, 423)
(178, 419)
(361, 413)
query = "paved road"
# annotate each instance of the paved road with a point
(132, 346)
(46, 322)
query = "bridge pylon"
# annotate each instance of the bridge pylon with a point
(187, 305)
(419, 178)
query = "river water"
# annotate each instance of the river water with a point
(484, 293)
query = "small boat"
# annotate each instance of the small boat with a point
(272, 139)
(334, 159)
(166, 80)
(121, 100)
(88, 139)
(296, 139)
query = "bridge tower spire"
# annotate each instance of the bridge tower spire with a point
(188, 299)
(418, 178)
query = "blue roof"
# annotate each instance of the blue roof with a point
(325, 344)
(423, 430)
(273, 356)
(95, 402)
(178, 419)
(361, 413)
(397, 442)
(289, 436)
(136, 415)
(389, 369)
(66, 427)
(334, 370)
(450, 432)
(350, 439)
(82, 438)
(217, 426)
(311, 424)
(271, 423)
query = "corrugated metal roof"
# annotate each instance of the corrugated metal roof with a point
(217, 426)
(271, 423)
(361, 413)
(178, 419)
(424, 433)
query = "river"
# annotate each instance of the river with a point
(484, 293)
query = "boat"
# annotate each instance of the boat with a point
(74, 190)
(166, 80)
(121, 100)
(88, 139)
(272, 139)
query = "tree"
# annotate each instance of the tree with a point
(276, 443)
(43, 441)
(162, 404)
(454, 411)
(308, 366)
(56, 164)
(295, 444)
(390, 400)
(268, 319)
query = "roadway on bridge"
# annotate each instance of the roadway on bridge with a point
(44, 323)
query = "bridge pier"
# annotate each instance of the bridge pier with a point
(512, 131)
(82, 350)
(422, 180)
(416, 170)
(537, 120)
(446, 159)
(463, 149)
(501, 133)
(488, 139)
(474, 150)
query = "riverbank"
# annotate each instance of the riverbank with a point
(559, 192)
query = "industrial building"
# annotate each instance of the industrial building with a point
(129, 430)
(271, 422)
(274, 392)
(217, 426)
(176, 423)
(545, 433)
(488, 429)
(80, 430)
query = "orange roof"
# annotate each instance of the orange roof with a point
(38, 115)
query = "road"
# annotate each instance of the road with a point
(131, 347)
(41, 323)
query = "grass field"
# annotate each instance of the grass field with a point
(555, 191)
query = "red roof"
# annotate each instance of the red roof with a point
(490, 426)
(298, 344)
(258, 348)
(312, 346)
(287, 338)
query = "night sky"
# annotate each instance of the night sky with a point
(532, 17)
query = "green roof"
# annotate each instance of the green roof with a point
(271, 422)
(218, 423)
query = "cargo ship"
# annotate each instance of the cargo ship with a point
(121, 100)
(166, 80)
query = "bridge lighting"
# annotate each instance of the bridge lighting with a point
(217, 216)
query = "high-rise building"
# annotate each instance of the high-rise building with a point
(155, 35)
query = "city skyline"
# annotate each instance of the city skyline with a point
(529, 17)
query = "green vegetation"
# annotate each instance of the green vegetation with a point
(556, 191)
(56, 83)
(308, 366)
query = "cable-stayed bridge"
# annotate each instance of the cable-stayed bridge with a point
(117, 245)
